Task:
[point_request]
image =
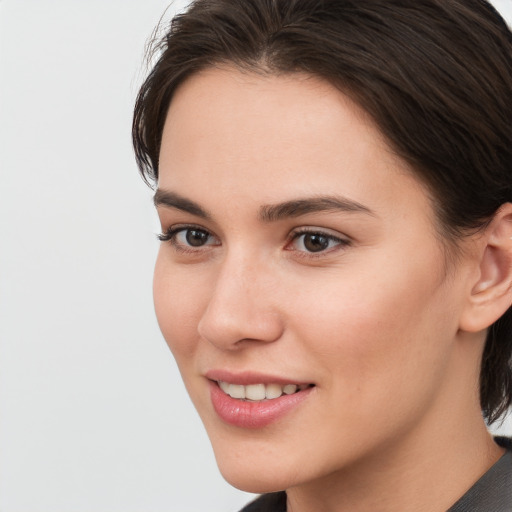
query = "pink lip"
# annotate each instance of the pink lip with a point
(252, 415)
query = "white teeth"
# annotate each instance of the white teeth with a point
(273, 391)
(255, 392)
(236, 391)
(289, 389)
(258, 392)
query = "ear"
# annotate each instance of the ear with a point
(491, 292)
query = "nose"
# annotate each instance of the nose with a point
(241, 307)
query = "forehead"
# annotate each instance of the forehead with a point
(260, 105)
(268, 138)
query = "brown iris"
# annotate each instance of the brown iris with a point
(315, 242)
(196, 237)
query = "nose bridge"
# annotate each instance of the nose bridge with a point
(240, 306)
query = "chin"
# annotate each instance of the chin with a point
(252, 465)
(260, 468)
(250, 479)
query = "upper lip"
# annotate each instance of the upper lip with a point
(250, 377)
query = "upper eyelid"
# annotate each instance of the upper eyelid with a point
(184, 226)
(320, 231)
(167, 225)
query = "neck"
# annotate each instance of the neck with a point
(414, 476)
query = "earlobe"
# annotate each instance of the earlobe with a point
(491, 294)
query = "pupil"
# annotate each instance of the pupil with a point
(196, 238)
(315, 243)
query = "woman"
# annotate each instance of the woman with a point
(334, 187)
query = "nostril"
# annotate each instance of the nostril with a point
(236, 326)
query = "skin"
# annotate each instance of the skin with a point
(374, 321)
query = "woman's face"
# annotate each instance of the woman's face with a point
(300, 255)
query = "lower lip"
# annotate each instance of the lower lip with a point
(248, 414)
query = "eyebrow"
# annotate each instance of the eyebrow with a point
(173, 200)
(271, 212)
(298, 207)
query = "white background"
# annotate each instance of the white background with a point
(93, 415)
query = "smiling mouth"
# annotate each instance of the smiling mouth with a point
(260, 392)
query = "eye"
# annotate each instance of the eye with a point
(192, 237)
(315, 241)
(188, 238)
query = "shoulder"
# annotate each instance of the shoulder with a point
(273, 502)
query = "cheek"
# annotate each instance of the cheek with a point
(377, 333)
(178, 296)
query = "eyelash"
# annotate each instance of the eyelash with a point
(170, 236)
